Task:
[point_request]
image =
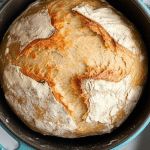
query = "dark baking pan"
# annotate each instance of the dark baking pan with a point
(130, 127)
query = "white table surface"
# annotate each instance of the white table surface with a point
(141, 142)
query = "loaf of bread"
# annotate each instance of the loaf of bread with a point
(72, 68)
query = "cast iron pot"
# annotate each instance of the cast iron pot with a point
(130, 127)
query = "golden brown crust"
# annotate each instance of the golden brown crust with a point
(89, 128)
(79, 49)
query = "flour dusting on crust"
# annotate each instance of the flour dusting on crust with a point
(113, 23)
(106, 98)
(30, 98)
(30, 28)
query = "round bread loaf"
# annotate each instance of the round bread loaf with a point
(72, 68)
